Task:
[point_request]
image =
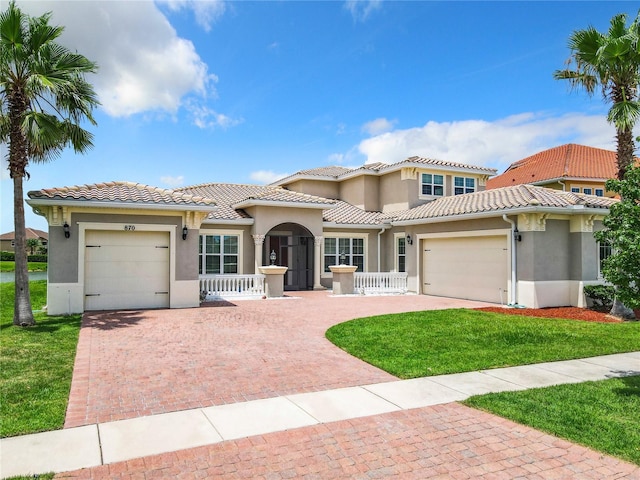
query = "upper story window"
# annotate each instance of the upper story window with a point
(599, 192)
(587, 191)
(218, 254)
(463, 185)
(432, 185)
(575, 190)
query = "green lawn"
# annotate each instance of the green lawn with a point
(601, 415)
(36, 365)
(420, 344)
(6, 266)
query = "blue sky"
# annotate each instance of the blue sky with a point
(246, 92)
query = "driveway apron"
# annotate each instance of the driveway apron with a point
(138, 363)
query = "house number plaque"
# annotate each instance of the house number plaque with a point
(129, 228)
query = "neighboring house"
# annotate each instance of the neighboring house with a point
(136, 246)
(570, 168)
(7, 240)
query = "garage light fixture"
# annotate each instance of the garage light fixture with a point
(184, 232)
(65, 228)
(517, 235)
(409, 240)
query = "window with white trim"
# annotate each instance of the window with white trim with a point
(462, 185)
(432, 185)
(604, 252)
(599, 192)
(218, 254)
(401, 254)
(351, 248)
(587, 191)
(575, 190)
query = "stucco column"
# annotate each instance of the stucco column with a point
(317, 265)
(258, 240)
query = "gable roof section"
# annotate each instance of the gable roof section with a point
(347, 214)
(502, 200)
(119, 194)
(231, 199)
(567, 161)
(337, 173)
(30, 232)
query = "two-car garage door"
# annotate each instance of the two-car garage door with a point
(474, 268)
(126, 269)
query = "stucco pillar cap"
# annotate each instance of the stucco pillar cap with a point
(273, 270)
(343, 268)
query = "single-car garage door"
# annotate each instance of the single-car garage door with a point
(473, 268)
(126, 269)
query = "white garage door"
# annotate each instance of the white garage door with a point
(126, 269)
(473, 268)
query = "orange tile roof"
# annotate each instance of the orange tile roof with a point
(30, 233)
(566, 161)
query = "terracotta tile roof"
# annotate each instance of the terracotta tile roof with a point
(440, 163)
(30, 232)
(287, 196)
(227, 195)
(348, 214)
(337, 172)
(566, 161)
(122, 192)
(497, 200)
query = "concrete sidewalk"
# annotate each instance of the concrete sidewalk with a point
(118, 441)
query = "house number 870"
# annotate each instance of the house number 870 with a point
(129, 228)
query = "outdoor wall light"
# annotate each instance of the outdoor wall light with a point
(517, 236)
(272, 257)
(409, 240)
(184, 232)
(65, 228)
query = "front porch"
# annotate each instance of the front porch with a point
(252, 286)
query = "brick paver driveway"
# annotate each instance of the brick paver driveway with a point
(138, 363)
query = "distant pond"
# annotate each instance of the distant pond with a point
(6, 277)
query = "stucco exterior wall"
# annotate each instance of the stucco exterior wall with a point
(361, 191)
(267, 217)
(544, 256)
(397, 194)
(321, 188)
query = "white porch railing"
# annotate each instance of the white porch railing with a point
(226, 286)
(380, 282)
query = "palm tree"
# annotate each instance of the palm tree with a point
(43, 99)
(610, 61)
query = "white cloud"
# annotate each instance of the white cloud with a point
(144, 66)
(378, 126)
(495, 144)
(205, 117)
(266, 176)
(336, 158)
(173, 181)
(206, 12)
(361, 9)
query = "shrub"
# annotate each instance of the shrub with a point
(601, 295)
(7, 256)
(37, 258)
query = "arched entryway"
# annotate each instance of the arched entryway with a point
(293, 245)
